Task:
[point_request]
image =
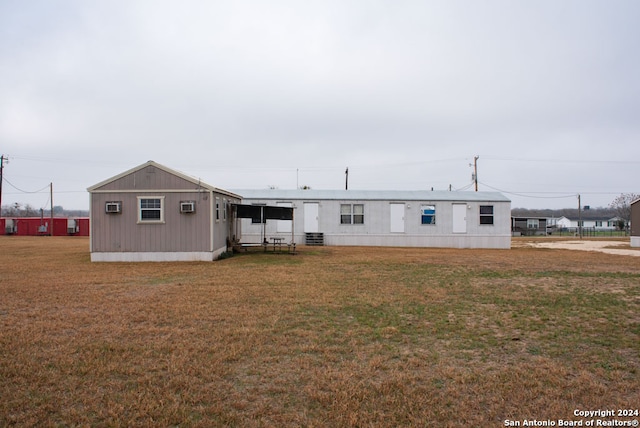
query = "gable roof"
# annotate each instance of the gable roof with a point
(195, 181)
(371, 195)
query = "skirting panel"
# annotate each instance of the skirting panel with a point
(404, 240)
(203, 256)
(635, 241)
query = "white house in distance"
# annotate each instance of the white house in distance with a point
(384, 218)
(599, 224)
(153, 213)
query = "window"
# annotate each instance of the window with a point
(598, 223)
(358, 214)
(151, 209)
(486, 214)
(345, 214)
(428, 214)
(217, 209)
(352, 214)
(533, 223)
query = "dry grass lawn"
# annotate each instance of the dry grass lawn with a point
(329, 337)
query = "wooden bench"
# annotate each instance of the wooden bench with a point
(275, 246)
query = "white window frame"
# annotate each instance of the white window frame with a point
(140, 209)
(351, 216)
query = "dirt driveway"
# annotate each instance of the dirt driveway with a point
(603, 246)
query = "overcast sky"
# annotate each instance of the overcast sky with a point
(250, 94)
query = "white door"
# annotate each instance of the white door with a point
(284, 226)
(459, 218)
(396, 215)
(310, 217)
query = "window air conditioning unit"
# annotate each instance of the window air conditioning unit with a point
(10, 227)
(187, 207)
(113, 207)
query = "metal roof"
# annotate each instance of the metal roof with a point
(371, 195)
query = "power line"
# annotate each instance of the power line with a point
(527, 194)
(23, 191)
(563, 161)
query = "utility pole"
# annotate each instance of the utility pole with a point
(579, 217)
(51, 197)
(475, 171)
(1, 179)
(346, 179)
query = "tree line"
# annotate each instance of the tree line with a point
(19, 210)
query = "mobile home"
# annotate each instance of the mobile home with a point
(384, 218)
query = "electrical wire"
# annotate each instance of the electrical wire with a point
(467, 187)
(24, 191)
(562, 161)
(523, 195)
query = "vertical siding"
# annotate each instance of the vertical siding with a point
(179, 232)
(222, 227)
(150, 178)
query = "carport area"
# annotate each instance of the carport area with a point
(260, 214)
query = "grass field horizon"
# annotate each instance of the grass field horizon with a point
(332, 336)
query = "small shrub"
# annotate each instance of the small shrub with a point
(225, 255)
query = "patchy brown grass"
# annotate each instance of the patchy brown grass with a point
(328, 337)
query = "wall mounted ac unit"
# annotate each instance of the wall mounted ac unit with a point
(187, 207)
(113, 207)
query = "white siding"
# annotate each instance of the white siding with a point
(376, 230)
